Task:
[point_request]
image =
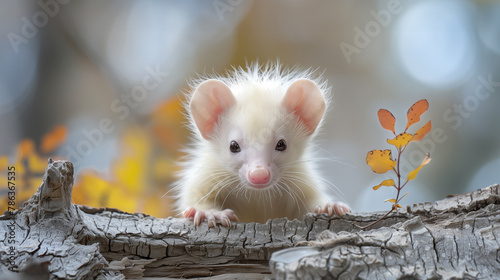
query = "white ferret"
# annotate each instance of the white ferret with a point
(251, 156)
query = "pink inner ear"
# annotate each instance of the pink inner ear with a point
(304, 98)
(210, 99)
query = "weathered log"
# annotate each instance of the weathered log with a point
(452, 238)
(455, 238)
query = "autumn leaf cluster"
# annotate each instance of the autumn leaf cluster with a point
(29, 163)
(382, 161)
(137, 178)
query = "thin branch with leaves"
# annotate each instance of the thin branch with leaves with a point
(381, 161)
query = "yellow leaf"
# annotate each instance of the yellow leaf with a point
(160, 165)
(380, 161)
(36, 163)
(388, 183)
(91, 189)
(24, 195)
(152, 204)
(129, 174)
(414, 173)
(390, 200)
(415, 111)
(32, 184)
(401, 140)
(387, 120)
(26, 148)
(122, 200)
(4, 161)
(53, 139)
(398, 206)
(420, 134)
(131, 170)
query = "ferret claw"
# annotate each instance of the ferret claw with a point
(329, 209)
(197, 218)
(211, 223)
(212, 216)
(338, 208)
(226, 222)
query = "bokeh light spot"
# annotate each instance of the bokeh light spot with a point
(435, 43)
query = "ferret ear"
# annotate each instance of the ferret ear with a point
(305, 100)
(210, 99)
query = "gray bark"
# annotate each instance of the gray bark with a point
(455, 238)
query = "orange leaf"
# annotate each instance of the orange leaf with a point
(387, 120)
(420, 134)
(388, 183)
(166, 124)
(393, 200)
(53, 139)
(26, 148)
(414, 173)
(401, 140)
(415, 111)
(380, 161)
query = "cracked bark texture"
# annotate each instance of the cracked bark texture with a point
(455, 238)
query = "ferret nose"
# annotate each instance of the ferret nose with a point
(259, 175)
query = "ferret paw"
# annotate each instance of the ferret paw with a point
(212, 216)
(337, 207)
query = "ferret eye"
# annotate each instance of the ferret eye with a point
(281, 145)
(234, 147)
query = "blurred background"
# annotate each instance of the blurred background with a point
(99, 83)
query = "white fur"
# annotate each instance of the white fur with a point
(213, 177)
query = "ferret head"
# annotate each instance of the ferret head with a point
(258, 130)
